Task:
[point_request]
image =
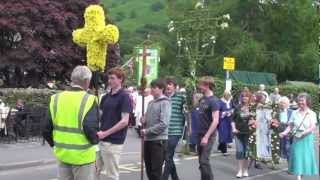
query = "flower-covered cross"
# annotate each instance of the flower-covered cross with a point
(96, 36)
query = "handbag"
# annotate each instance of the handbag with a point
(297, 132)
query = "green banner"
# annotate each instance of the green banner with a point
(152, 59)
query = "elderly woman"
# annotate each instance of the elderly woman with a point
(285, 114)
(301, 127)
(240, 127)
(224, 128)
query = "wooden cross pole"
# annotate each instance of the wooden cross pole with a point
(143, 87)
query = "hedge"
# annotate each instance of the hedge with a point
(40, 97)
(34, 98)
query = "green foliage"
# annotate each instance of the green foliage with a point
(120, 16)
(157, 6)
(144, 14)
(133, 14)
(33, 97)
(280, 39)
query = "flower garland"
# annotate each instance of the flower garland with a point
(96, 36)
(275, 139)
(252, 153)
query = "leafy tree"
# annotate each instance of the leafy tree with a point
(282, 37)
(157, 6)
(133, 14)
(120, 16)
(35, 40)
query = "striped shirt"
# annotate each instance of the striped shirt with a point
(177, 120)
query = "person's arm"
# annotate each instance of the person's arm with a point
(163, 120)
(212, 128)
(215, 121)
(289, 128)
(312, 126)
(234, 118)
(126, 108)
(286, 131)
(91, 125)
(47, 129)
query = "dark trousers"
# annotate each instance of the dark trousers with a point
(170, 167)
(223, 147)
(204, 153)
(154, 157)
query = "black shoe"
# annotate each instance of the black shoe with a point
(174, 177)
(258, 166)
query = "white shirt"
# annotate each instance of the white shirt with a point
(138, 110)
(310, 118)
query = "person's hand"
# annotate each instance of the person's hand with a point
(204, 141)
(282, 135)
(143, 120)
(300, 135)
(235, 131)
(143, 132)
(98, 168)
(102, 134)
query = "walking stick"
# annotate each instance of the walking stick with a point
(143, 87)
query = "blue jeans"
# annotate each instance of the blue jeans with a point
(204, 153)
(170, 167)
(242, 141)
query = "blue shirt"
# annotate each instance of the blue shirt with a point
(112, 106)
(284, 117)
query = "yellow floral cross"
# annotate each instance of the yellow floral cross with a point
(96, 36)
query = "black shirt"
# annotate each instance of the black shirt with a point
(112, 106)
(241, 120)
(207, 106)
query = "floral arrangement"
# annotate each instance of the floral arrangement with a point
(252, 153)
(275, 139)
(96, 36)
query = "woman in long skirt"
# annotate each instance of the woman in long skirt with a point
(303, 122)
(225, 129)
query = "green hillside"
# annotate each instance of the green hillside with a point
(131, 15)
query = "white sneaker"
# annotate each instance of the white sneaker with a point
(239, 175)
(245, 174)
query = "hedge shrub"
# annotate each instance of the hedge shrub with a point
(40, 97)
(34, 98)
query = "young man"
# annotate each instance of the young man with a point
(115, 108)
(156, 132)
(208, 122)
(176, 126)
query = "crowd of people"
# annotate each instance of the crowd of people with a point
(85, 145)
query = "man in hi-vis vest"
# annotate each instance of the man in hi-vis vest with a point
(72, 127)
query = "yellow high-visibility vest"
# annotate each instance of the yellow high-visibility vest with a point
(68, 110)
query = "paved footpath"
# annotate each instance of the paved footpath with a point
(24, 161)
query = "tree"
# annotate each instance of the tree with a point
(282, 37)
(157, 6)
(36, 42)
(133, 14)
